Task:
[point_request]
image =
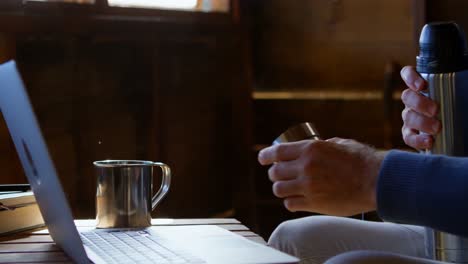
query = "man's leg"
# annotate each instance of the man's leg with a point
(317, 238)
(376, 257)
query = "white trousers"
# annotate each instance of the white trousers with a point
(316, 239)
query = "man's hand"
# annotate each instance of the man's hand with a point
(336, 177)
(420, 112)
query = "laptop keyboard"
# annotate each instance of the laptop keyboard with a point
(135, 247)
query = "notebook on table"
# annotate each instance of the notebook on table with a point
(171, 244)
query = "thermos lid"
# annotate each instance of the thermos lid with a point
(442, 48)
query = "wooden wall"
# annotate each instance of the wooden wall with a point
(330, 44)
(89, 97)
(449, 10)
(153, 88)
(9, 162)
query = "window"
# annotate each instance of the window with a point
(169, 4)
(194, 5)
(67, 1)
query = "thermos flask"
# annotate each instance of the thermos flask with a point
(442, 62)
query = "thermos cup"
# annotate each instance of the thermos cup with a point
(442, 62)
(298, 132)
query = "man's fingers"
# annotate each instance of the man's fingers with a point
(296, 203)
(415, 140)
(412, 79)
(284, 170)
(419, 103)
(280, 152)
(287, 188)
(417, 121)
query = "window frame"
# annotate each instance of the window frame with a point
(102, 5)
(30, 17)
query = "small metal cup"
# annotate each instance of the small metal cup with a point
(124, 192)
(298, 132)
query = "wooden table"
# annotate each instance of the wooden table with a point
(38, 247)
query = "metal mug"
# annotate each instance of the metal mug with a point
(124, 192)
(298, 132)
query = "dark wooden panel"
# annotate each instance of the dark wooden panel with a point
(44, 257)
(448, 10)
(92, 103)
(10, 164)
(360, 120)
(195, 126)
(307, 44)
(21, 248)
(9, 161)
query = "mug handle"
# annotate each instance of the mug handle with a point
(165, 184)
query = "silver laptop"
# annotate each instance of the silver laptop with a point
(162, 244)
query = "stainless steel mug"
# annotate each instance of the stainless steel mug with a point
(124, 197)
(298, 132)
(442, 62)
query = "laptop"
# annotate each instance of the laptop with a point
(162, 244)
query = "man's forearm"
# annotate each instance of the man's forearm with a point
(424, 190)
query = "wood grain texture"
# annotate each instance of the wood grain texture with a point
(305, 44)
(36, 257)
(28, 239)
(28, 248)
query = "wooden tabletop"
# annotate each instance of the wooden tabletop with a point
(38, 247)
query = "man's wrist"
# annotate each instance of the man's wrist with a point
(375, 164)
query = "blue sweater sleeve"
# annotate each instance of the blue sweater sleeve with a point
(424, 190)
